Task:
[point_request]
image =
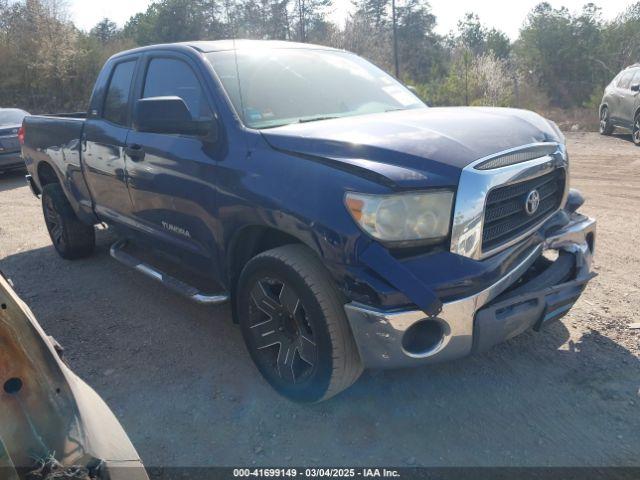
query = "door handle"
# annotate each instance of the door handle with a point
(135, 152)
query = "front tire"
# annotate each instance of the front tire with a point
(635, 133)
(71, 238)
(606, 128)
(294, 325)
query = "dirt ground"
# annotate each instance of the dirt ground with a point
(178, 377)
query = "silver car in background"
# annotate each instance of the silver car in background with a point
(10, 123)
(620, 107)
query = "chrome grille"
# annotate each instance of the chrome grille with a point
(505, 217)
(518, 156)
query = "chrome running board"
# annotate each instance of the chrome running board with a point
(178, 286)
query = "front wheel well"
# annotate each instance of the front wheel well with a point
(46, 174)
(250, 242)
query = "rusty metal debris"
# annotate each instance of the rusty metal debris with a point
(47, 412)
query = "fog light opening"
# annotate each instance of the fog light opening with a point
(423, 337)
(591, 242)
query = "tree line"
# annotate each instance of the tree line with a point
(561, 59)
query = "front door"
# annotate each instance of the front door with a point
(619, 97)
(172, 177)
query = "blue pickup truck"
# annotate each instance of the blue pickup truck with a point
(350, 225)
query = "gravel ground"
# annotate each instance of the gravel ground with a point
(179, 379)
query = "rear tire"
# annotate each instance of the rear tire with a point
(606, 128)
(71, 238)
(635, 133)
(294, 325)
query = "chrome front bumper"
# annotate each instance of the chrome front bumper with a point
(379, 334)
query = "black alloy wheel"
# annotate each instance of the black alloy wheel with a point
(281, 330)
(54, 223)
(71, 238)
(294, 325)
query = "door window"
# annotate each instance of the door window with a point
(170, 77)
(116, 102)
(625, 80)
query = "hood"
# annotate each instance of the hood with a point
(413, 148)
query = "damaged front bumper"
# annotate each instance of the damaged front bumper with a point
(534, 292)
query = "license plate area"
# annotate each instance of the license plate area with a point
(10, 144)
(506, 319)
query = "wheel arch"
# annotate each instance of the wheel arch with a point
(250, 241)
(46, 174)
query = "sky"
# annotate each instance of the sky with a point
(504, 15)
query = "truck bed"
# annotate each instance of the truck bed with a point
(54, 141)
(53, 132)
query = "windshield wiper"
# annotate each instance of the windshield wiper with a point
(318, 118)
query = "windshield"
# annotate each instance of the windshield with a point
(275, 87)
(11, 116)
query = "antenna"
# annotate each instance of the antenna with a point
(235, 56)
(395, 38)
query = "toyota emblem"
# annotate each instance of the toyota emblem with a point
(532, 203)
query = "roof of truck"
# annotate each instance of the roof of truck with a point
(226, 45)
(221, 45)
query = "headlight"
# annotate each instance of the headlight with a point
(403, 217)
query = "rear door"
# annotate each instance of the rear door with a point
(629, 101)
(172, 183)
(620, 97)
(105, 137)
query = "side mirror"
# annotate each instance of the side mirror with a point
(168, 115)
(635, 87)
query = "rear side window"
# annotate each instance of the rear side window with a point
(116, 102)
(170, 77)
(625, 79)
(636, 77)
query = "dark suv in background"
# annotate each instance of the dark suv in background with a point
(621, 104)
(10, 123)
